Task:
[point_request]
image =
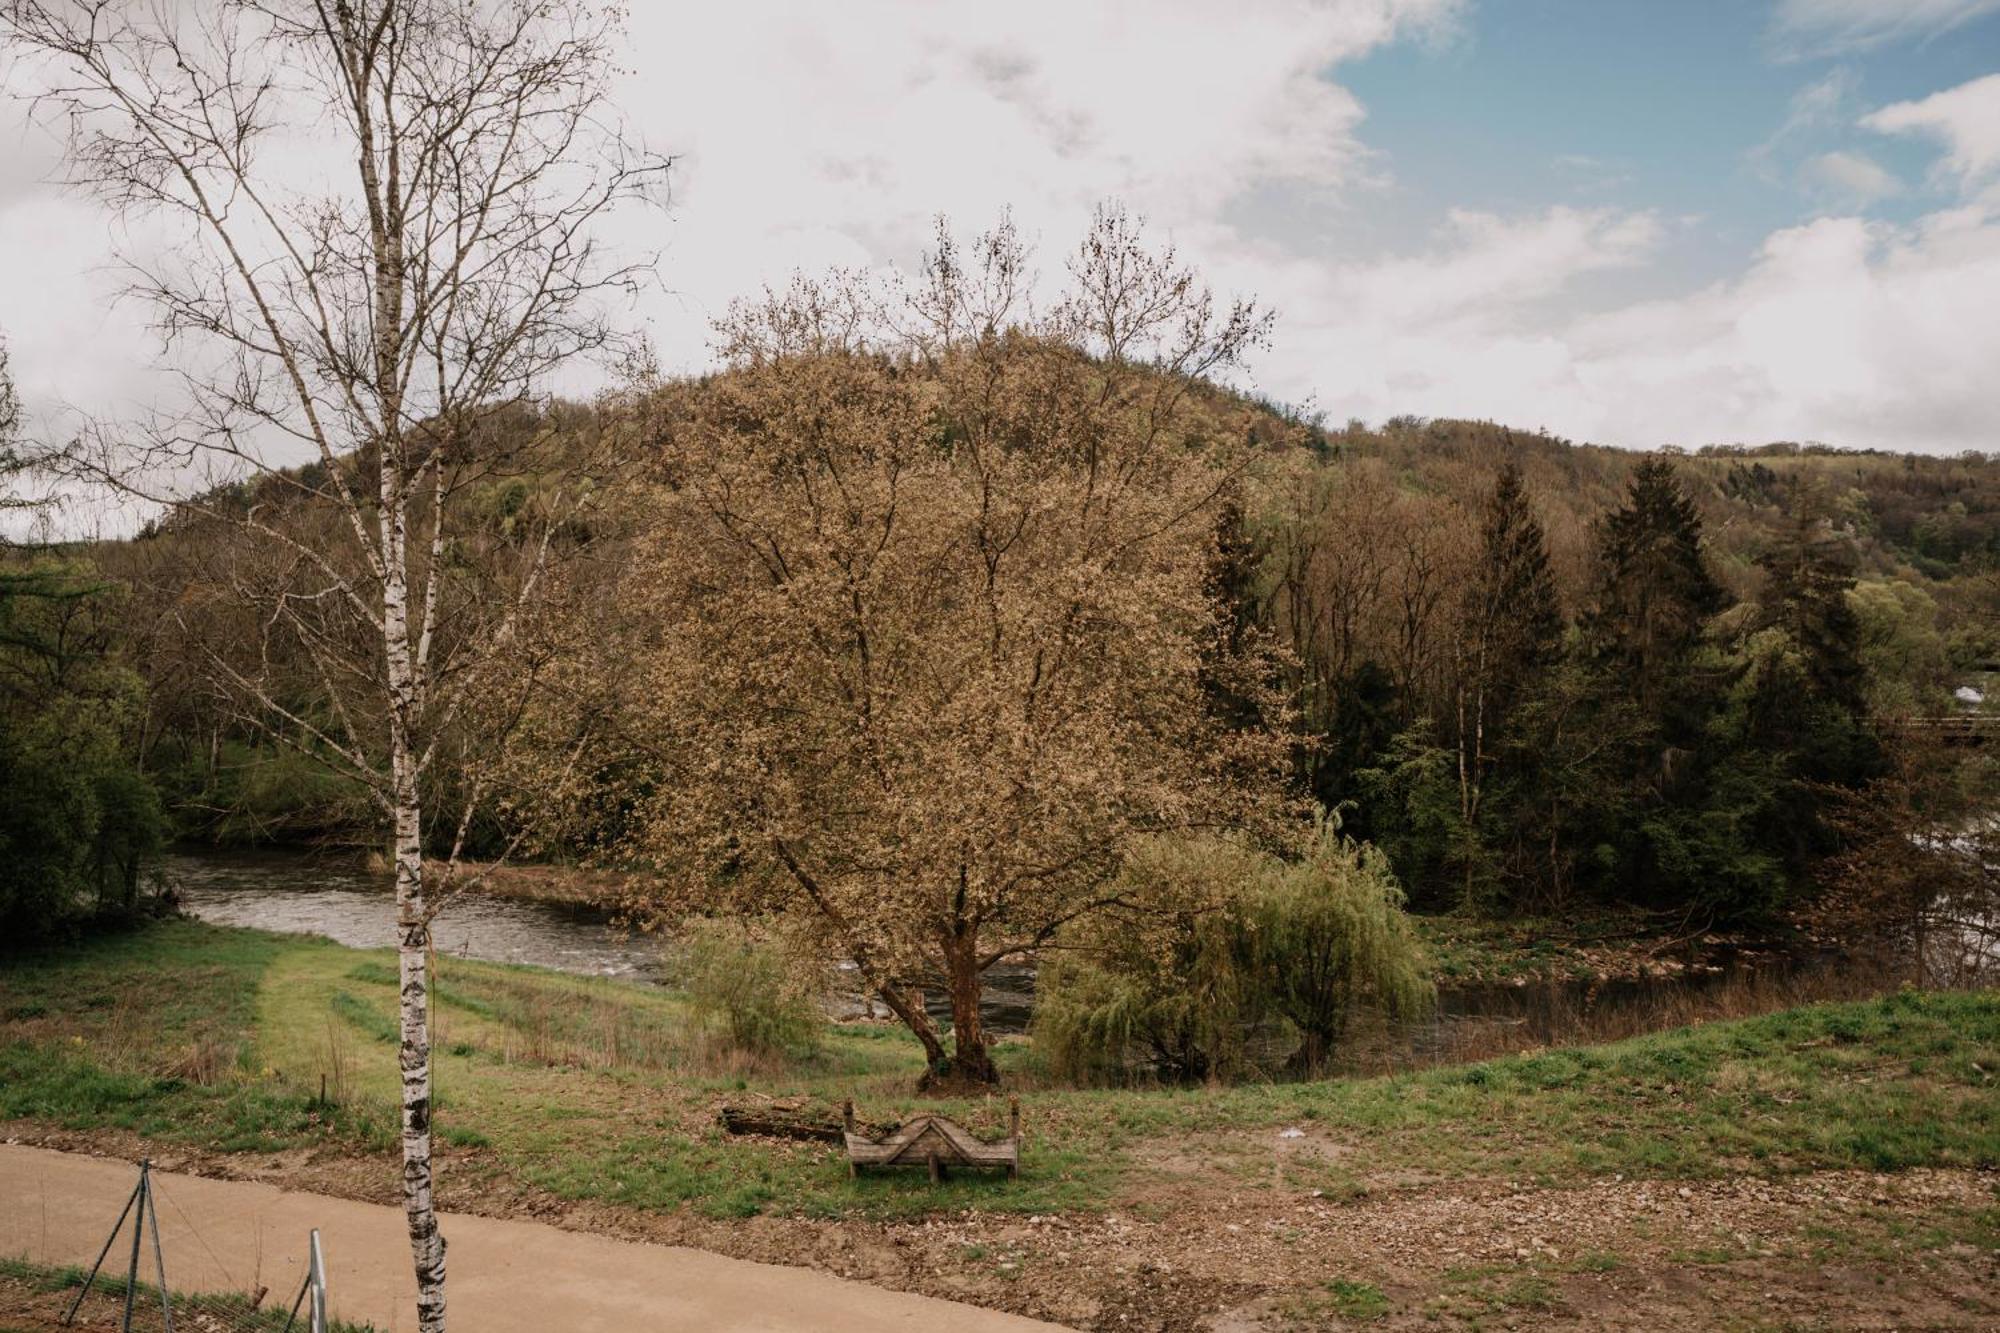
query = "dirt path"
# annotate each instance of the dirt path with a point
(56, 1208)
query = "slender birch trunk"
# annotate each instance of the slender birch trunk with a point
(414, 1061)
(413, 928)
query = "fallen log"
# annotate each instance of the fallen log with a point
(816, 1124)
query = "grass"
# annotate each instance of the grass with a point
(1356, 1300)
(1469, 950)
(596, 1089)
(205, 1310)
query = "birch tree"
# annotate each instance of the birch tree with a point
(368, 234)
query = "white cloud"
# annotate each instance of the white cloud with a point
(1853, 177)
(818, 134)
(812, 135)
(1803, 28)
(815, 135)
(1966, 119)
(1814, 108)
(1842, 330)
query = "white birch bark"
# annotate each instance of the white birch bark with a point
(376, 321)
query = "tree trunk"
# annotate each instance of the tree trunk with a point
(414, 1053)
(413, 930)
(909, 1007)
(971, 1061)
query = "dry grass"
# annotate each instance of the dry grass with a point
(1541, 1015)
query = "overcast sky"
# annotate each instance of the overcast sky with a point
(1630, 221)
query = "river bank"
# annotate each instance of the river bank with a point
(1502, 985)
(1839, 1157)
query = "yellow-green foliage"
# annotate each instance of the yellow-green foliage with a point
(750, 990)
(1224, 960)
(1327, 932)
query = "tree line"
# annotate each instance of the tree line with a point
(1517, 741)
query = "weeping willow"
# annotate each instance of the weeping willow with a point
(1228, 962)
(1326, 934)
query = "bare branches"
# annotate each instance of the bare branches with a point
(382, 215)
(381, 300)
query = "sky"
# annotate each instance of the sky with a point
(1627, 221)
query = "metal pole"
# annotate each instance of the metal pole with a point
(299, 1300)
(159, 1256)
(102, 1255)
(138, 1230)
(317, 1274)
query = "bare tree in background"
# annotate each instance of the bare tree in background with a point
(377, 221)
(12, 464)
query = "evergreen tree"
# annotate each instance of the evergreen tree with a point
(1513, 613)
(1510, 632)
(1693, 792)
(1809, 573)
(1654, 589)
(1805, 704)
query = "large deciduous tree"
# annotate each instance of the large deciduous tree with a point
(369, 235)
(928, 629)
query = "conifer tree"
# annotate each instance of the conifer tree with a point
(1511, 629)
(1654, 589)
(1810, 571)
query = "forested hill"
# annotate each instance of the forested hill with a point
(1922, 517)
(1534, 672)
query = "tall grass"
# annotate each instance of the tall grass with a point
(1510, 1020)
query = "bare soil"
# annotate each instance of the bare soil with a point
(1203, 1249)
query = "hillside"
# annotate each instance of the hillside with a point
(1352, 543)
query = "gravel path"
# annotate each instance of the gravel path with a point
(219, 1235)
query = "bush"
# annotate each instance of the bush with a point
(754, 992)
(1160, 985)
(78, 827)
(1224, 961)
(1326, 933)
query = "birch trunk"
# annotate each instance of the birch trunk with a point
(413, 929)
(414, 1057)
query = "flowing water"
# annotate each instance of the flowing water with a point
(303, 894)
(311, 895)
(288, 891)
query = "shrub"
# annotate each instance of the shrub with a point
(749, 989)
(79, 825)
(1159, 985)
(1327, 932)
(1224, 961)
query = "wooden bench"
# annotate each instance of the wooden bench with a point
(935, 1143)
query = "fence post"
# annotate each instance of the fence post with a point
(70, 1314)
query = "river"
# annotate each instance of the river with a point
(289, 891)
(311, 895)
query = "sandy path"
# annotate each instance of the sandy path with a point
(220, 1235)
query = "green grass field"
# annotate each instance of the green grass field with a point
(593, 1089)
